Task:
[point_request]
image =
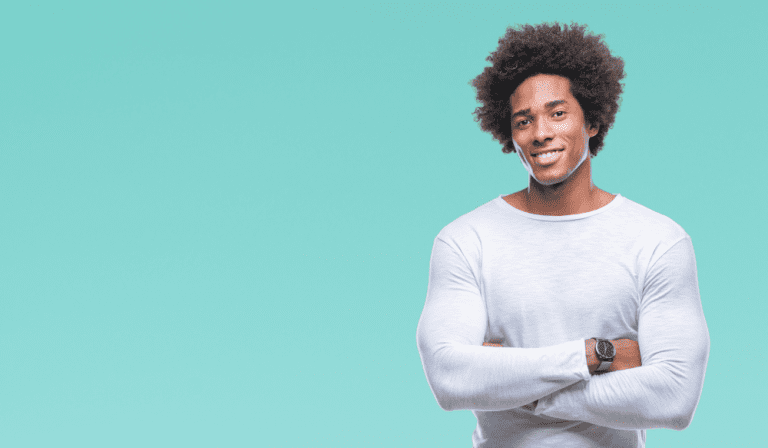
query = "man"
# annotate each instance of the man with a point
(521, 288)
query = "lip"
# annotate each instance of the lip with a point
(546, 150)
(549, 160)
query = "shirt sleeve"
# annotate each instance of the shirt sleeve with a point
(460, 371)
(674, 348)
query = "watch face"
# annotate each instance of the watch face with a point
(605, 349)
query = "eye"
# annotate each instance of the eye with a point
(559, 113)
(521, 123)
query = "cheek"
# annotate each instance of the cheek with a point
(565, 127)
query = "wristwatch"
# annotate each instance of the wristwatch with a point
(605, 352)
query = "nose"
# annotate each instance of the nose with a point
(542, 132)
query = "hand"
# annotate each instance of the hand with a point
(531, 406)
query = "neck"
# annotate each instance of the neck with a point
(576, 194)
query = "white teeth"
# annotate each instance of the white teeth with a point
(547, 154)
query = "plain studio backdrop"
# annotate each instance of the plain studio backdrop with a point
(216, 218)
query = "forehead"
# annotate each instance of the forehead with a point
(539, 90)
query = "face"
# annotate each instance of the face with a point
(548, 128)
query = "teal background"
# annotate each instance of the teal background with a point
(216, 218)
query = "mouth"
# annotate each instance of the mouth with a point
(544, 155)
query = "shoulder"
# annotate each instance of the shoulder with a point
(470, 228)
(652, 233)
(649, 223)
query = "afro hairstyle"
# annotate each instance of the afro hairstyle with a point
(570, 52)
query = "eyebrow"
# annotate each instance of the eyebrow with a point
(549, 105)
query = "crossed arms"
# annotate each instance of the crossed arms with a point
(663, 392)
(627, 355)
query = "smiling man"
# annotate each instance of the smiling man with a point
(561, 315)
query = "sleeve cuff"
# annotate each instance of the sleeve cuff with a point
(579, 364)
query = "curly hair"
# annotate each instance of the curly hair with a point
(582, 58)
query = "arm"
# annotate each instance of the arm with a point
(674, 345)
(460, 371)
(627, 357)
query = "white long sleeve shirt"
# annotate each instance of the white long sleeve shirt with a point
(542, 285)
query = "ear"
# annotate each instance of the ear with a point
(592, 130)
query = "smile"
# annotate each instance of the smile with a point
(548, 154)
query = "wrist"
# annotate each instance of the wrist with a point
(605, 353)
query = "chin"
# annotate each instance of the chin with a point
(550, 180)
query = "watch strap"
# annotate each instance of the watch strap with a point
(604, 365)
